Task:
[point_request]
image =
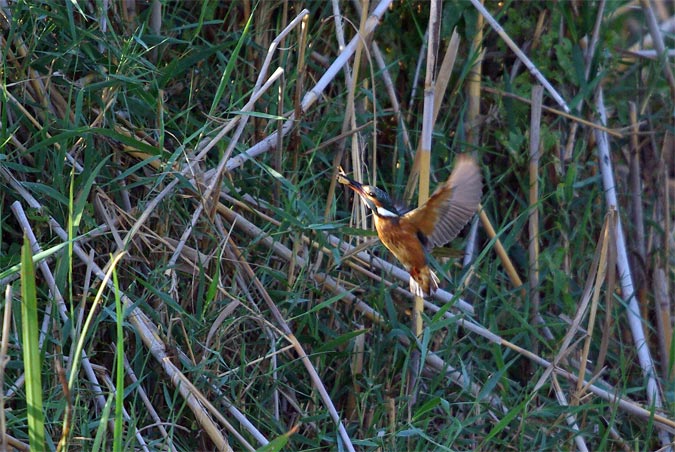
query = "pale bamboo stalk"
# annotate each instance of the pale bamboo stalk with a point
(340, 37)
(648, 54)
(337, 158)
(627, 287)
(471, 243)
(444, 75)
(349, 122)
(472, 124)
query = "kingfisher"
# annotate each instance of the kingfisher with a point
(410, 234)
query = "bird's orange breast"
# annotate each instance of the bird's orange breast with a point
(401, 238)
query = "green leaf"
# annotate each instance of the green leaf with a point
(30, 329)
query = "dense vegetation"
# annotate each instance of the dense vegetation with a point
(201, 283)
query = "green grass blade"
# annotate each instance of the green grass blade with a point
(102, 426)
(119, 363)
(30, 329)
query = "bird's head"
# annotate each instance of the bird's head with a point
(375, 198)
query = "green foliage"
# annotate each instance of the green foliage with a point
(96, 122)
(32, 356)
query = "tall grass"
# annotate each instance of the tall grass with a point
(188, 148)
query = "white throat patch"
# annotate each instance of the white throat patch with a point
(381, 211)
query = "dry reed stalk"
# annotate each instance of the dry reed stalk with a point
(591, 289)
(142, 325)
(444, 75)
(313, 95)
(304, 358)
(159, 423)
(533, 216)
(349, 122)
(424, 154)
(664, 324)
(627, 287)
(570, 418)
(473, 88)
(501, 251)
(600, 275)
(4, 359)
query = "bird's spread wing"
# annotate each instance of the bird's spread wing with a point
(452, 205)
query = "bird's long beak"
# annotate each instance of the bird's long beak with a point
(349, 182)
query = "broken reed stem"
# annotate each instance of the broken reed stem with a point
(501, 252)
